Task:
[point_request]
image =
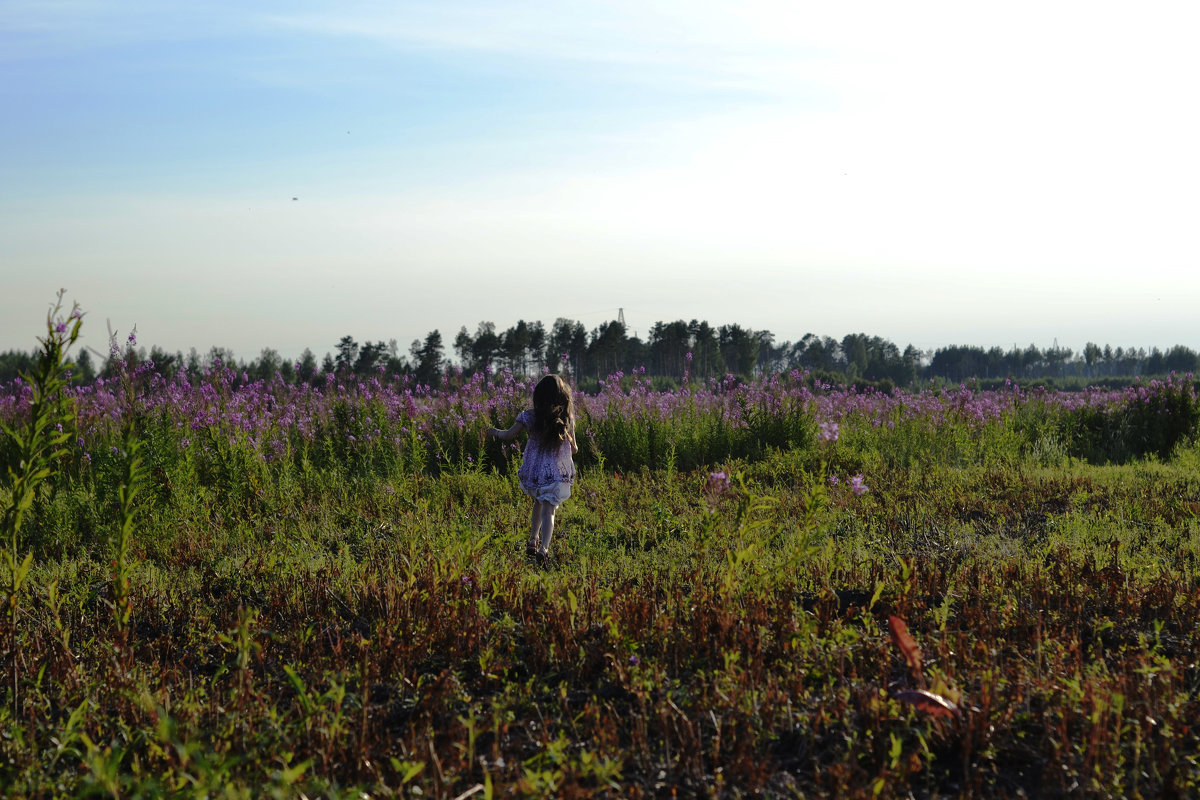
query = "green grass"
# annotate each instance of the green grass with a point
(333, 637)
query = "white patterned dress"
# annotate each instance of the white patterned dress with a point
(546, 473)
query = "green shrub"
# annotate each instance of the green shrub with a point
(1148, 420)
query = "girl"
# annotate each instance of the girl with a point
(547, 471)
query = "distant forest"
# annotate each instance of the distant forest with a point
(670, 351)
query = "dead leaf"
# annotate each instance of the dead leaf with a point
(930, 703)
(907, 644)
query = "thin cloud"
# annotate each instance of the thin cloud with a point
(627, 41)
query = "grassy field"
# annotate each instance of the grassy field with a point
(779, 589)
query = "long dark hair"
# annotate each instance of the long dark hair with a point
(552, 410)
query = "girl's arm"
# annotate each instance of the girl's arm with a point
(507, 435)
(571, 436)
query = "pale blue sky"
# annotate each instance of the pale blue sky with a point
(928, 172)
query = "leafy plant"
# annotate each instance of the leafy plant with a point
(40, 447)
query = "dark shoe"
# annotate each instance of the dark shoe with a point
(531, 552)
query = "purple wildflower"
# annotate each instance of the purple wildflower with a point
(717, 486)
(719, 481)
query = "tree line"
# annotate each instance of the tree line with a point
(672, 351)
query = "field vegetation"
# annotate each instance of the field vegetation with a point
(231, 586)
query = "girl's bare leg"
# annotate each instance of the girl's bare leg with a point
(547, 514)
(535, 527)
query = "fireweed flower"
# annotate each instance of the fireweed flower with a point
(717, 485)
(828, 431)
(833, 480)
(857, 486)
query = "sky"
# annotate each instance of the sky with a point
(260, 174)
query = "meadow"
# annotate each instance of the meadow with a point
(772, 588)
